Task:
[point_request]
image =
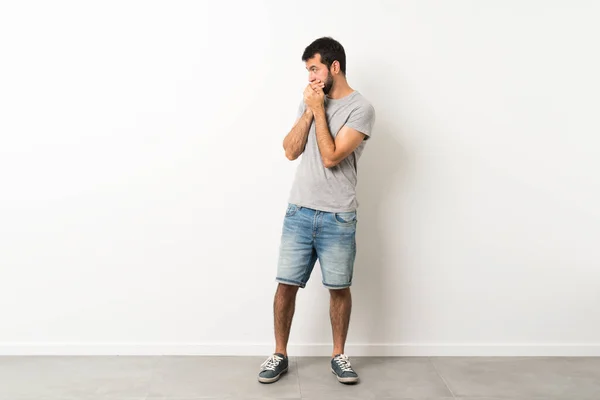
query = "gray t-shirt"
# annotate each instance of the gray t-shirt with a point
(332, 189)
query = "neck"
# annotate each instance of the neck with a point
(340, 89)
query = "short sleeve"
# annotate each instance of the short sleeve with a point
(362, 119)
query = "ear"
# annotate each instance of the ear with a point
(335, 67)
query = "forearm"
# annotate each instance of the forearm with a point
(324, 139)
(295, 141)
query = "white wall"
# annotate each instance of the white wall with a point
(143, 183)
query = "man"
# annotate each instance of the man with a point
(334, 121)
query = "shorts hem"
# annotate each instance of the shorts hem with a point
(290, 282)
(345, 286)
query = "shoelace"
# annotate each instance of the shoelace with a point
(344, 363)
(271, 363)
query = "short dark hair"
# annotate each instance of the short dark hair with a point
(330, 50)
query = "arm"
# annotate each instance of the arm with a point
(295, 141)
(334, 151)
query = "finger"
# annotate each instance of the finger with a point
(318, 86)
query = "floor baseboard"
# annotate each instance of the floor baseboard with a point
(249, 349)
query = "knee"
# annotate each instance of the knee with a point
(340, 293)
(287, 290)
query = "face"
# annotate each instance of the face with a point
(319, 71)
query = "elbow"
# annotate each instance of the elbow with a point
(291, 156)
(327, 163)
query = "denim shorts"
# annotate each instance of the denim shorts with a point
(308, 235)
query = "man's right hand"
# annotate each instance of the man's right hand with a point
(316, 84)
(311, 88)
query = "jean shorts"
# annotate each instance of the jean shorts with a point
(308, 235)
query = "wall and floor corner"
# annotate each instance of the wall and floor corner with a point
(144, 184)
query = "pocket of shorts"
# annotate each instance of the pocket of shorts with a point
(345, 218)
(291, 210)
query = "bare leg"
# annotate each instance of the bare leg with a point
(283, 309)
(339, 310)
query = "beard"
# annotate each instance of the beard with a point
(328, 84)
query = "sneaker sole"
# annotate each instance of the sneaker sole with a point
(273, 379)
(344, 380)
